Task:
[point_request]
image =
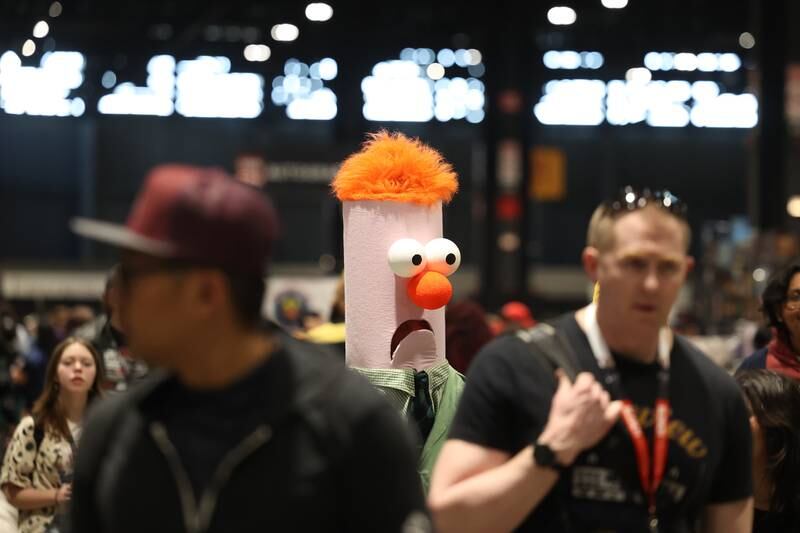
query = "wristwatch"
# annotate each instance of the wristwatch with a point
(546, 457)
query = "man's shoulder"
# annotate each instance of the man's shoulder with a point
(321, 382)
(507, 350)
(110, 407)
(711, 375)
(519, 354)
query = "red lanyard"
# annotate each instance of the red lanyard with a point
(650, 479)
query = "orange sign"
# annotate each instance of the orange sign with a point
(548, 179)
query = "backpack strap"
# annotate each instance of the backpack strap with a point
(552, 348)
(547, 342)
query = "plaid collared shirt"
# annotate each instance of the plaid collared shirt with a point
(398, 384)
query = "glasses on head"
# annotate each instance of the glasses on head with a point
(631, 199)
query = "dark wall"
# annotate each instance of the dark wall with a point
(40, 168)
(705, 168)
(55, 169)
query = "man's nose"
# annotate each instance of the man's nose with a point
(651, 281)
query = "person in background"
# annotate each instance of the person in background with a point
(781, 307)
(774, 404)
(762, 337)
(79, 316)
(466, 331)
(331, 333)
(245, 428)
(53, 329)
(37, 468)
(105, 333)
(517, 315)
(14, 343)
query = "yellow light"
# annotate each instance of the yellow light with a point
(793, 206)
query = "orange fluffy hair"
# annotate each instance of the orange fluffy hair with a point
(392, 167)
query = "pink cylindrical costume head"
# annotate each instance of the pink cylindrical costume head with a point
(396, 262)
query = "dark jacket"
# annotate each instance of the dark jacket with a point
(331, 455)
(757, 359)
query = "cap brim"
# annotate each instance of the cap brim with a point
(120, 236)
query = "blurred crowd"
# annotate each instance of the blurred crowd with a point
(27, 342)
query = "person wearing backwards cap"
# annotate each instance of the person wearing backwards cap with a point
(244, 429)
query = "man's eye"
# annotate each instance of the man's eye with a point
(668, 268)
(636, 264)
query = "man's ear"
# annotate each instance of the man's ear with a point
(590, 259)
(207, 290)
(690, 262)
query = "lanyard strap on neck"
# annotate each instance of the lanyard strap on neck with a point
(650, 477)
(600, 349)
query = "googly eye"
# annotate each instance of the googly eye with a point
(443, 256)
(407, 258)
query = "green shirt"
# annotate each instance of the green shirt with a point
(444, 386)
(397, 384)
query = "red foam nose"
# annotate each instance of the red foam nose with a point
(430, 290)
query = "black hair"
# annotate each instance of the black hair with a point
(247, 295)
(774, 399)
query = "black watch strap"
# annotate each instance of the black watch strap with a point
(546, 457)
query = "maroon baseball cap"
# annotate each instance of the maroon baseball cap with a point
(194, 214)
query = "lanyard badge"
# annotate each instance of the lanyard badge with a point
(650, 474)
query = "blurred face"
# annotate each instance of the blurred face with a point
(151, 309)
(790, 310)
(641, 274)
(76, 369)
(59, 317)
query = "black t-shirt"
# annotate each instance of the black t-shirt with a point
(768, 522)
(507, 399)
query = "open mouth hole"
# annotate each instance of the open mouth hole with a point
(405, 329)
